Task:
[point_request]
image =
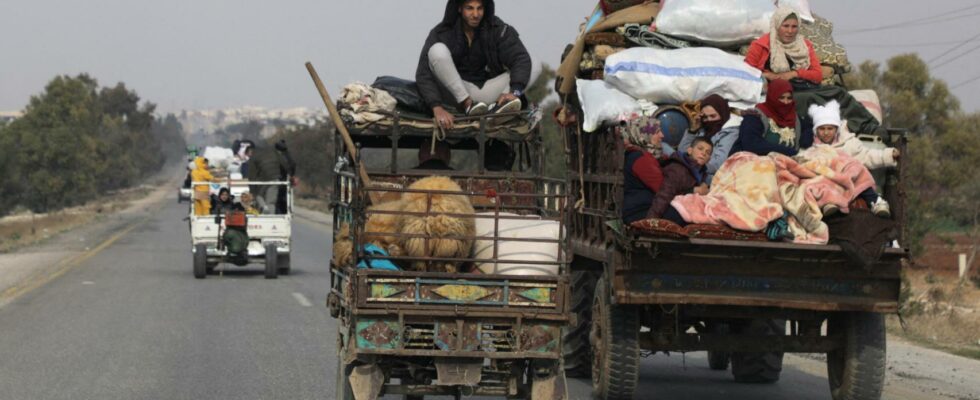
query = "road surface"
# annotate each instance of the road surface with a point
(126, 320)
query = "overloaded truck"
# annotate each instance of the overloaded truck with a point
(745, 299)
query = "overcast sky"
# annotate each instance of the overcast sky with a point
(195, 54)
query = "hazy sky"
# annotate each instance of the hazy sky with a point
(184, 54)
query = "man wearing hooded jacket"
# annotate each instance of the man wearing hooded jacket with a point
(472, 60)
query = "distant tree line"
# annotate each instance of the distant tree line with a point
(77, 141)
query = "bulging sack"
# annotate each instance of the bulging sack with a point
(716, 22)
(602, 103)
(517, 251)
(676, 76)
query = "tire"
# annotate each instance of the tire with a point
(718, 360)
(271, 258)
(615, 347)
(857, 371)
(200, 261)
(577, 352)
(284, 264)
(759, 367)
(342, 384)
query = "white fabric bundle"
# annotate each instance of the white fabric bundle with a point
(602, 103)
(676, 76)
(517, 251)
(218, 157)
(716, 22)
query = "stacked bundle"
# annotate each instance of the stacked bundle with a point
(675, 52)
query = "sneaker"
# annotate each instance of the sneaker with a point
(829, 209)
(477, 109)
(880, 208)
(510, 106)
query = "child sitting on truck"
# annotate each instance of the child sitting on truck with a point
(683, 173)
(828, 130)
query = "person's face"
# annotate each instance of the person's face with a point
(709, 114)
(700, 153)
(472, 12)
(224, 196)
(788, 30)
(657, 138)
(827, 134)
(786, 98)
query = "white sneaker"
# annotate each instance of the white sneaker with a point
(510, 106)
(880, 208)
(477, 109)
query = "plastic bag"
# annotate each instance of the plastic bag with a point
(676, 76)
(516, 250)
(405, 92)
(802, 7)
(716, 22)
(602, 103)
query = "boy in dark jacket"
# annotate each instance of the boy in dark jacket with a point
(683, 173)
(472, 59)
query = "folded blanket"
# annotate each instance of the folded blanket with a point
(749, 191)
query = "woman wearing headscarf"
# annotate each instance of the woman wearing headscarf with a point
(774, 126)
(783, 53)
(715, 114)
(643, 176)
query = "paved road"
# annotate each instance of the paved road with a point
(130, 322)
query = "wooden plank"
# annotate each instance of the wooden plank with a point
(823, 303)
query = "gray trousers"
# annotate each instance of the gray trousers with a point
(267, 201)
(455, 89)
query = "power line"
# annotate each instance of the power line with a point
(961, 55)
(971, 80)
(957, 47)
(919, 21)
(908, 45)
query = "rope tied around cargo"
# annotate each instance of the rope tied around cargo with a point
(438, 134)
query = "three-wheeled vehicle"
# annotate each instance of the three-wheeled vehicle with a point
(242, 238)
(474, 332)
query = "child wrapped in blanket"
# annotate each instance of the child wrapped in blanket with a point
(829, 130)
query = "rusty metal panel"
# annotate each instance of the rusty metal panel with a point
(377, 334)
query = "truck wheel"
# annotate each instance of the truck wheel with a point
(615, 347)
(271, 256)
(200, 261)
(344, 391)
(857, 371)
(575, 341)
(718, 360)
(759, 367)
(284, 264)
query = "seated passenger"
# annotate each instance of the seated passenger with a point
(684, 173)
(827, 122)
(773, 126)
(434, 157)
(247, 204)
(223, 204)
(715, 113)
(783, 53)
(643, 176)
(472, 59)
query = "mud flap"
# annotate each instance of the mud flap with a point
(459, 372)
(549, 386)
(366, 381)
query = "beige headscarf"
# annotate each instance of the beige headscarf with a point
(638, 132)
(779, 51)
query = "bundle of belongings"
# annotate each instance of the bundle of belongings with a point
(639, 59)
(379, 104)
(438, 225)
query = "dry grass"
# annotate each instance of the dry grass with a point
(942, 312)
(26, 229)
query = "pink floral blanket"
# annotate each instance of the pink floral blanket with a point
(750, 191)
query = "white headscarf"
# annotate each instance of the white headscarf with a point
(797, 51)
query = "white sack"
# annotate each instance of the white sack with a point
(516, 250)
(716, 22)
(801, 6)
(218, 157)
(676, 76)
(602, 103)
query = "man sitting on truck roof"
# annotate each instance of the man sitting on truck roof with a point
(473, 60)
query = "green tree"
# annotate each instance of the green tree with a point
(310, 148)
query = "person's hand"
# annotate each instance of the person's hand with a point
(770, 75)
(293, 181)
(505, 98)
(896, 154)
(702, 189)
(443, 118)
(788, 75)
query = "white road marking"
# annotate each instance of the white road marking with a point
(302, 300)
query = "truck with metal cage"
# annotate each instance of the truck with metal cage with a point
(440, 333)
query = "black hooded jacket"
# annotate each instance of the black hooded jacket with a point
(499, 45)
